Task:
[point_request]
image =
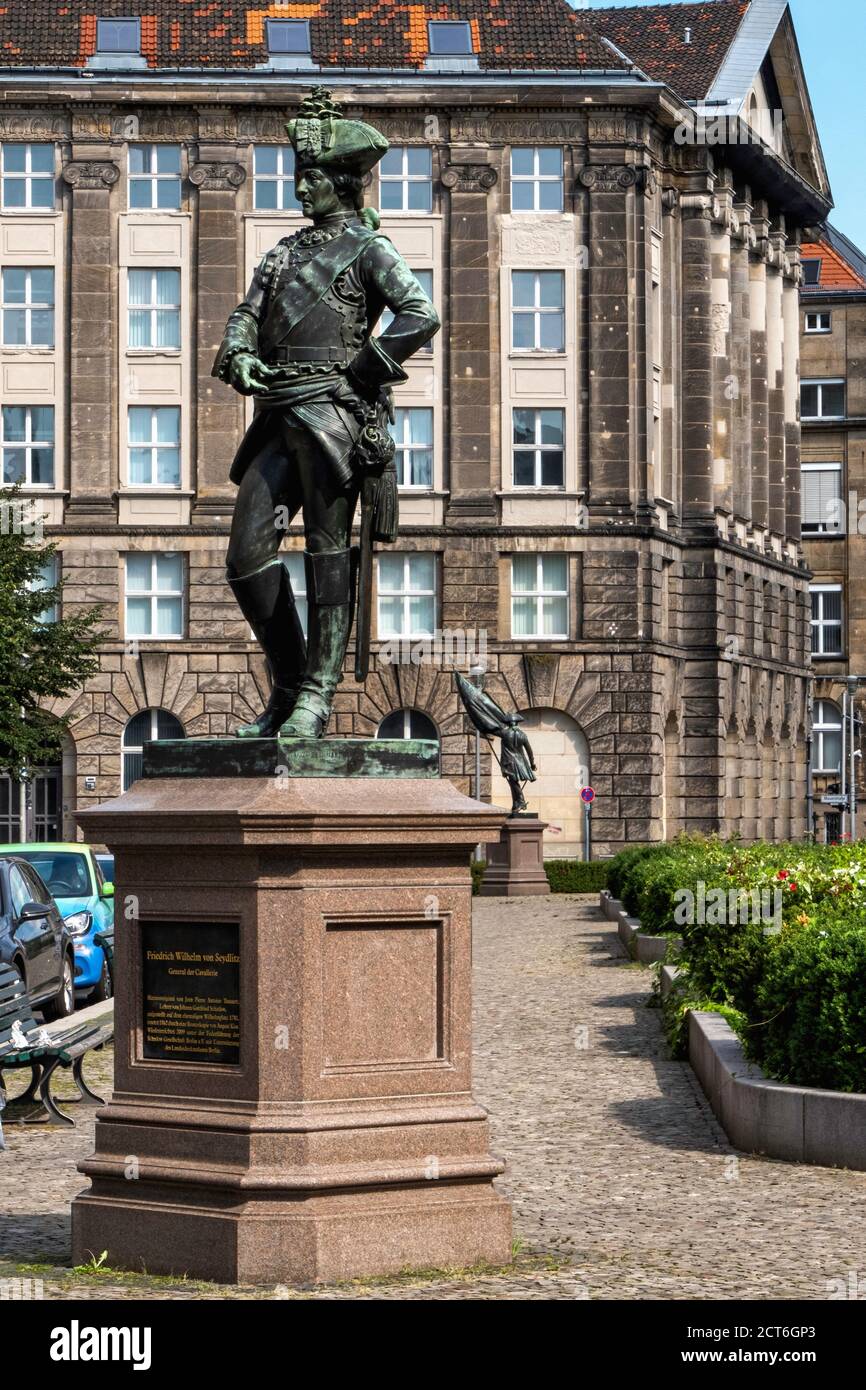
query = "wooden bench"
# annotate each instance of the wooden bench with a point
(26, 1043)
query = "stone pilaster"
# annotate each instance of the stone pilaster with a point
(776, 383)
(219, 411)
(90, 176)
(611, 407)
(760, 400)
(741, 441)
(469, 177)
(697, 360)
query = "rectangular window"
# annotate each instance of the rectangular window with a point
(538, 438)
(827, 737)
(118, 35)
(538, 310)
(154, 595)
(536, 179)
(818, 322)
(822, 400)
(812, 271)
(288, 35)
(28, 307)
(826, 619)
(154, 446)
(27, 444)
(48, 578)
(154, 177)
(539, 596)
(425, 280)
(406, 179)
(27, 177)
(154, 309)
(413, 432)
(407, 595)
(822, 498)
(274, 179)
(294, 563)
(449, 37)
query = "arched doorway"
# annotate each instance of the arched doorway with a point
(142, 728)
(562, 759)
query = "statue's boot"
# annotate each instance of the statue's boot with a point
(329, 604)
(268, 604)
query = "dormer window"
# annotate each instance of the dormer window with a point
(812, 271)
(118, 36)
(289, 36)
(449, 38)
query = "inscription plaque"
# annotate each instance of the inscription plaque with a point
(191, 992)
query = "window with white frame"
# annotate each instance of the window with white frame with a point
(539, 596)
(818, 322)
(536, 179)
(538, 310)
(413, 433)
(822, 498)
(27, 444)
(47, 579)
(812, 270)
(826, 737)
(154, 595)
(28, 306)
(294, 563)
(826, 619)
(27, 177)
(154, 309)
(118, 35)
(145, 727)
(288, 35)
(154, 445)
(425, 280)
(154, 177)
(407, 595)
(823, 400)
(406, 179)
(538, 454)
(274, 179)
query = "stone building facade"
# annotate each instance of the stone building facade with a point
(601, 455)
(833, 408)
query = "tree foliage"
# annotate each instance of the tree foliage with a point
(40, 661)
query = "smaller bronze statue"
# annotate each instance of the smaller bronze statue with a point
(517, 763)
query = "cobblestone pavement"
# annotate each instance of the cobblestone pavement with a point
(623, 1184)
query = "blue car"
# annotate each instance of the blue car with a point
(74, 879)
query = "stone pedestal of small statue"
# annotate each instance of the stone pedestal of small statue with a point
(515, 863)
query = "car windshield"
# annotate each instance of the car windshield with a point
(64, 874)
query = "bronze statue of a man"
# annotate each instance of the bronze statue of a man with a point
(301, 342)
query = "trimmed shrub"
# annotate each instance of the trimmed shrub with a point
(576, 875)
(476, 868)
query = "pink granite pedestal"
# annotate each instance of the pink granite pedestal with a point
(344, 1139)
(515, 863)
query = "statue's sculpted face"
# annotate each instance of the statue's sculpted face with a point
(317, 195)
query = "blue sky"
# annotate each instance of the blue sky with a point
(832, 38)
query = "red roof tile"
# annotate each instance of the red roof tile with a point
(836, 273)
(539, 34)
(654, 37)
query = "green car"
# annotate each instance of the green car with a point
(74, 879)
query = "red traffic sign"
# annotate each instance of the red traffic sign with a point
(587, 795)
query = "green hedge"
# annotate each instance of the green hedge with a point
(563, 875)
(793, 986)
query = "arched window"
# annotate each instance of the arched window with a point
(142, 728)
(407, 723)
(826, 737)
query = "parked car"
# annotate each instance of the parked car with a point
(35, 940)
(106, 864)
(84, 898)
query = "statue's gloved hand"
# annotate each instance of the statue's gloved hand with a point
(250, 376)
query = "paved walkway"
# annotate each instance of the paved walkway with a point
(617, 1168)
